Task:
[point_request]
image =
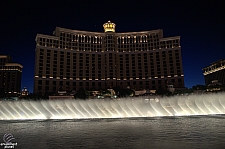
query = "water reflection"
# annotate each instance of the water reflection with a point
(164, 132)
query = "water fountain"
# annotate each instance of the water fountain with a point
(114, 108)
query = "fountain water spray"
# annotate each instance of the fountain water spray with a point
(114, 108)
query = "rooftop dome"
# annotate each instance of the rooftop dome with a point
(109, 27)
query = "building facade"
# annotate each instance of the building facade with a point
(73, 59)
(215, 73)
(10, 76)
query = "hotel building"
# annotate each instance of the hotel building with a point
(10, 76)
(215, 73)
(73, 59)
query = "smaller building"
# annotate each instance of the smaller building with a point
(61, 95)
(24, 92)
(10, 76)
(215, 73)
(215, 86)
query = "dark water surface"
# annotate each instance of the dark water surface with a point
(166, 132)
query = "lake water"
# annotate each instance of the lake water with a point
(161, 132)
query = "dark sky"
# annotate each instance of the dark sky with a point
(199, 23)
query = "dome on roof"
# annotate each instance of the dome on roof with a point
(109, 26)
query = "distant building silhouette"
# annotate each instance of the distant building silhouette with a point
(74, 59)
(10, 76)
(215, 73)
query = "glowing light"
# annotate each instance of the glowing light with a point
(214, 70)
(109, 27)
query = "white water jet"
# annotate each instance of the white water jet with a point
(206, 104)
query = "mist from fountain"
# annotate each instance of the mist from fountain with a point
(206, 104)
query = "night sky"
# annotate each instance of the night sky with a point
(199, 23)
